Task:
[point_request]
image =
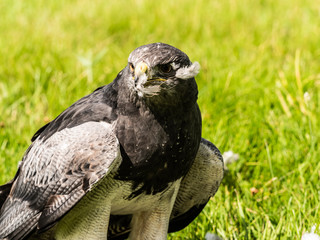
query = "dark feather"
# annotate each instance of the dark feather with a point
(181, 221)
(97, 106)
(157, 130)
(4, 192)
(209, 167)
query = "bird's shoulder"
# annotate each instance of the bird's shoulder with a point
(97, 106)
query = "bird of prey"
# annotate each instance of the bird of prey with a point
(127, 160)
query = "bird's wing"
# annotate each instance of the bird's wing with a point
(196, 188)
(95, 107)
(55, 174)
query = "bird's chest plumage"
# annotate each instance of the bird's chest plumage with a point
(157, 149)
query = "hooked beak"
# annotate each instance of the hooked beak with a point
(140, 70)
(144, 76)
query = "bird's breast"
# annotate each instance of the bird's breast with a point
(157, 150)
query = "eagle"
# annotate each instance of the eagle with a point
(127, 160)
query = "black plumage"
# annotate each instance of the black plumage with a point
(139, 136)
(196, 188)
(154, 132)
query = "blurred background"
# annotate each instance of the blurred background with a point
(259, 92)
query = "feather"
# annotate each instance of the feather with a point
(196, 188)
(55, 174)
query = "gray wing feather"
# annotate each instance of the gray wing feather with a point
(55, 174)
(202, 181)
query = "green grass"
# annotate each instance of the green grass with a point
(258, 60)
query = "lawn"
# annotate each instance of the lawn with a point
(259, 92)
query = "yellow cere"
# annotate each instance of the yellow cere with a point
(141, 68)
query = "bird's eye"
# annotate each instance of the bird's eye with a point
(165, 68)
(131, 67)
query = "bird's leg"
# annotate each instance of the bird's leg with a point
(153, 224)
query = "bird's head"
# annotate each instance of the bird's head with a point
(159, 67)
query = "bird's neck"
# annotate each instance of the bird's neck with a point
(173, 103)
(166, 104)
